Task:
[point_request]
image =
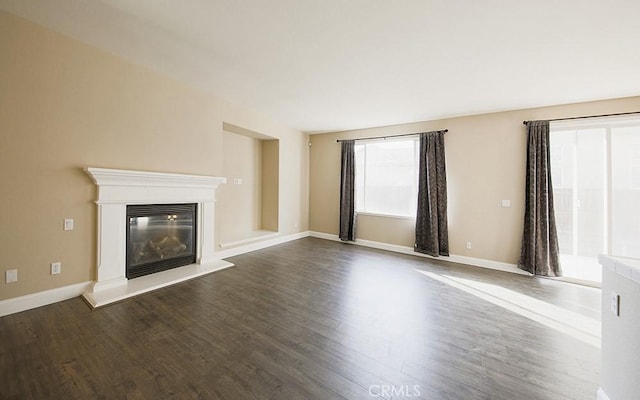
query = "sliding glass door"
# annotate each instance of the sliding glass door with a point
(625, 191)
(595, 168)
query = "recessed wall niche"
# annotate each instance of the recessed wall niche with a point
(250, 197)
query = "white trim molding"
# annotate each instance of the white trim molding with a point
(120, 291)
(477, 262)
(267, 241)
(39, 299)
(119, 188)
(258, 236)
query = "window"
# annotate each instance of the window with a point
(595, 168)
(387, 177)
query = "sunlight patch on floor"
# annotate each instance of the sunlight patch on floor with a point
(568, 322)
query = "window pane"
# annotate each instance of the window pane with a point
(578, 171)
(360, 177)
(562, 180)
(625, 191)
(591, 152)
(386, 177)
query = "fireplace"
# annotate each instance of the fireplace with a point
(169, 220)
(160, 237)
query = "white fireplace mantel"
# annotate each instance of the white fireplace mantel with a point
(119, 188)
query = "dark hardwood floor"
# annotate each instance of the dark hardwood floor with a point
(315, 319)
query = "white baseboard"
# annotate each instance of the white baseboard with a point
(602, 395)
(477, 262)
(259, 236)
(39, 299)
(260, 245)
(34, 300)
(489, 264)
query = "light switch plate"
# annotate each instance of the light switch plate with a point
(11, 276)
(68, 224)
(506, 203)
(56, 267)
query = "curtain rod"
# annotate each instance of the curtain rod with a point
(391, 136)
(590, 116)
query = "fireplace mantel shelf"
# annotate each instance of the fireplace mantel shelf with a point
(119, 188)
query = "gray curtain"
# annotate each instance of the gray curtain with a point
(432, 235)
(347, 192)
(539, 254)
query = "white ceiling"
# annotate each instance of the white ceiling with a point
(323, 65)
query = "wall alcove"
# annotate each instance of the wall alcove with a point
(251, 197)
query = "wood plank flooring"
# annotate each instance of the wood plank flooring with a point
(313, 319)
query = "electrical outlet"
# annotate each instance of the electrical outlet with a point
(56, 267)
(506, 203)
(468, 245)
(615, 304)
(11, 276)
(68, 224)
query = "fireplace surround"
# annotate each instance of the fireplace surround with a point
(118, 189)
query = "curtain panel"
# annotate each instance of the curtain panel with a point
(539, 254)
(432, 236)
(347, 192)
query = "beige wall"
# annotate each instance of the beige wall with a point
(240, 204)
(65, 106)
(485, 156)
(270, 184)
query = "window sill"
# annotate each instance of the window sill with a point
(370, 214)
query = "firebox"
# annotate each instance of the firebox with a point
(160, 237)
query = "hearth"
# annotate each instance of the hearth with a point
(119, 189)
(160, 237)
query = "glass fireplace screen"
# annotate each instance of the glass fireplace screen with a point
(160, 237)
